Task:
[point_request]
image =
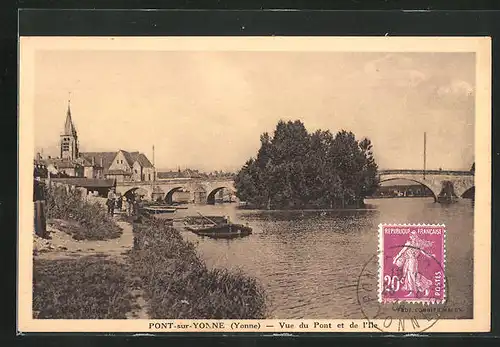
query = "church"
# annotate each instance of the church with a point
(121, 165)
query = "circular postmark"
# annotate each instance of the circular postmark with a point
(384, 304)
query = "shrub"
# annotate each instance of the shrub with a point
(84, 288)
(178, 285)
(94, 223)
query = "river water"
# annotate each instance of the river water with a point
(310, 261)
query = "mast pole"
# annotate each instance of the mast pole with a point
(154, 175)
(425, 150)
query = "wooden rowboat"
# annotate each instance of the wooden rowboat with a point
(159, 209)
(220, 230)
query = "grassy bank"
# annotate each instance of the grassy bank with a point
(84, 288)
(177, 283)
(88, 220)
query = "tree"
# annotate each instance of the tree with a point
(295, 169)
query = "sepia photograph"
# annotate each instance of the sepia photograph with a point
(257, 183)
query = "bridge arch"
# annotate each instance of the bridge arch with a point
(468, 193)
(435, 190)
(214, 191)
(139, 190)
(170, 194)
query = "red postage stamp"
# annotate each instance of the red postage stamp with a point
(412, 259)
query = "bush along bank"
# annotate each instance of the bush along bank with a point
(92, 222)
(178, 285)
(85, 288)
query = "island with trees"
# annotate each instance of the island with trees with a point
(295, 169)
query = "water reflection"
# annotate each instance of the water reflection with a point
(310, 261)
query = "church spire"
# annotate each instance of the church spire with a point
(69, 140)
(69, 127)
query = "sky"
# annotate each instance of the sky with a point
(207, 110)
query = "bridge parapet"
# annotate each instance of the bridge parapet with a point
(461, 180)
(427, 172)
(176, 180)
(199, 188)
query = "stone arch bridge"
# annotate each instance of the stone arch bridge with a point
(205, 190)
(200, 190)
(462, 181)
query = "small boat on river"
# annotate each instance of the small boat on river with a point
(224, 230)
(203, 220)
(221, 231)
(159, 209)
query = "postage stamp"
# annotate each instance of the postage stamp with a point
(412, 259)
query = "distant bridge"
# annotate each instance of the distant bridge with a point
(200, 190)
(205, 190)
(462, 181)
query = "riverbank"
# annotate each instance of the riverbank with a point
(149, 271)
(82, 279)
(178, 284)
(84, 218)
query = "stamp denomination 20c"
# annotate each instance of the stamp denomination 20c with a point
(412, 261)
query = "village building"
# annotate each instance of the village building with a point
(120, 166)
(123, 166)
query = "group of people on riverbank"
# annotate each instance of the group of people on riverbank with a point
(126, 204)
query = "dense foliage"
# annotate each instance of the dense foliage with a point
(296, 169)
(177, 283)
(92, 222)
(82, 288)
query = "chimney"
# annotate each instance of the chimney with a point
(93, 161)
(38, 156)
(101, 163)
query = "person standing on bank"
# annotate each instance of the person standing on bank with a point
(130, 205)
(124, 204)
(119, 202)
(133, 204)
(111, 201)
(40, 206)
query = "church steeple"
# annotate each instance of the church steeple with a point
(69, 127)
(69, 139)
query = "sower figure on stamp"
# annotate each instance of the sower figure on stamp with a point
(413, 281)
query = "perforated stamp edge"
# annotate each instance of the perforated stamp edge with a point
(381, 263)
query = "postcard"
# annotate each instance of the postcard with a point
(254, 184)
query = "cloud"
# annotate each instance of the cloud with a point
(394, 69)
(456, 88)
(386, 62)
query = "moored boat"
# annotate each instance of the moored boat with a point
(204, 220)
(222, 230)
(159, 209)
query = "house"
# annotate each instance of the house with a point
(60, 166)
(187, 173)
(121, 166)
(96, 163)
